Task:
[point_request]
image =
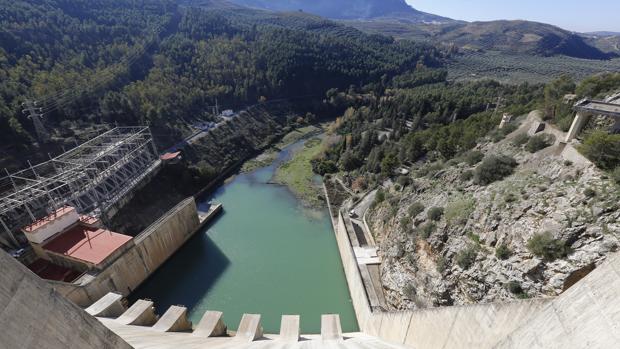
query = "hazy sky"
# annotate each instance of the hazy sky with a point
(576, 15)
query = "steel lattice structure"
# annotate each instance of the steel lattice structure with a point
(90, 177)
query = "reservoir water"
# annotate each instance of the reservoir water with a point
(265, 254)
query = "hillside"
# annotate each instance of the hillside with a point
(159, 64)
(463, 212)
(479, 249)
(510, 37)
(349, 9)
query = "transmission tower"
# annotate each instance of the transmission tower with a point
(34, 113)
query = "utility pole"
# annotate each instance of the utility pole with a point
(34, 113)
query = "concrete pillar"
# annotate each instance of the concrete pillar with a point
(581, 119)
(506, 119)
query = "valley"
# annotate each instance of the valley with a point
(358, 174)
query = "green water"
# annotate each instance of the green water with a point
(265, 254)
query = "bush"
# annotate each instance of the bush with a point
(546, 247)
(403, 181)
(509, 128)
(435, 213)
(603, 149)
(458, 211)
(515, 288)
(503, 252)
(539, 142)
(426, 230)
(615, 175)
(520, 139)
(410, 291)
(497, 135)
(589, 193)
(510, 197)
(415, 209)
(380, 197)
(494, 168)
(442, 264)
(473, 157)
(466, 258)
(466, 176)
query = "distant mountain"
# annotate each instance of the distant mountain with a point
(349, 9)
(399, 20)
(605, 41)
(603, 33)
(517, 37)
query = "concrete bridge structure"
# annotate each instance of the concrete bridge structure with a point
(587, 108)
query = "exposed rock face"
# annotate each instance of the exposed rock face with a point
(575, 203)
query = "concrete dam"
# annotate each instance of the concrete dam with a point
(96, 310)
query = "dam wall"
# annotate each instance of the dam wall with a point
(585, 316)
(151, 249)
(34, 316)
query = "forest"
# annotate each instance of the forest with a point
(157, 63)
(444, 120)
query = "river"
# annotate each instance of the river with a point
(265, 254)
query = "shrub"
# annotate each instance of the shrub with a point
(435, 213)
(466, 176)
(615, 175)
(473, 157)
(510, 197)
(442, 264)
(568, 163)
(466, 258)
(539, 142)
(410, 291)
(589, 193)
(509, 128)
(494, 168)
(474, 237)
(520, 139)
(427, 229)
(458, 211)
(503, 252)
(403, 181)
(546, 247)
(497, 135)
(380, 197)
(603, 149)
(415, 209)
(515, 288)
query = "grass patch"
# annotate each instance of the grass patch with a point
(458, 211)
(298, 176)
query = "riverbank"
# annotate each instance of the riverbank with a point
(270, 155)
(297, 174)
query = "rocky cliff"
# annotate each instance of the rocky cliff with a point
(446, 239)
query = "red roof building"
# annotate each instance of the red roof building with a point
(90, 245)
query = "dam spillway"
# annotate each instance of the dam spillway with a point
(266, 254)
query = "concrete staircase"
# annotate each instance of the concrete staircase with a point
(141, 327)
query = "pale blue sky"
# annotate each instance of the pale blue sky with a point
(576, 15)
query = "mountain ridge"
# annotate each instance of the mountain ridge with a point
(349, 9)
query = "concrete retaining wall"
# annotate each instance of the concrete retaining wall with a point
(33, 316)
(152, 248)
